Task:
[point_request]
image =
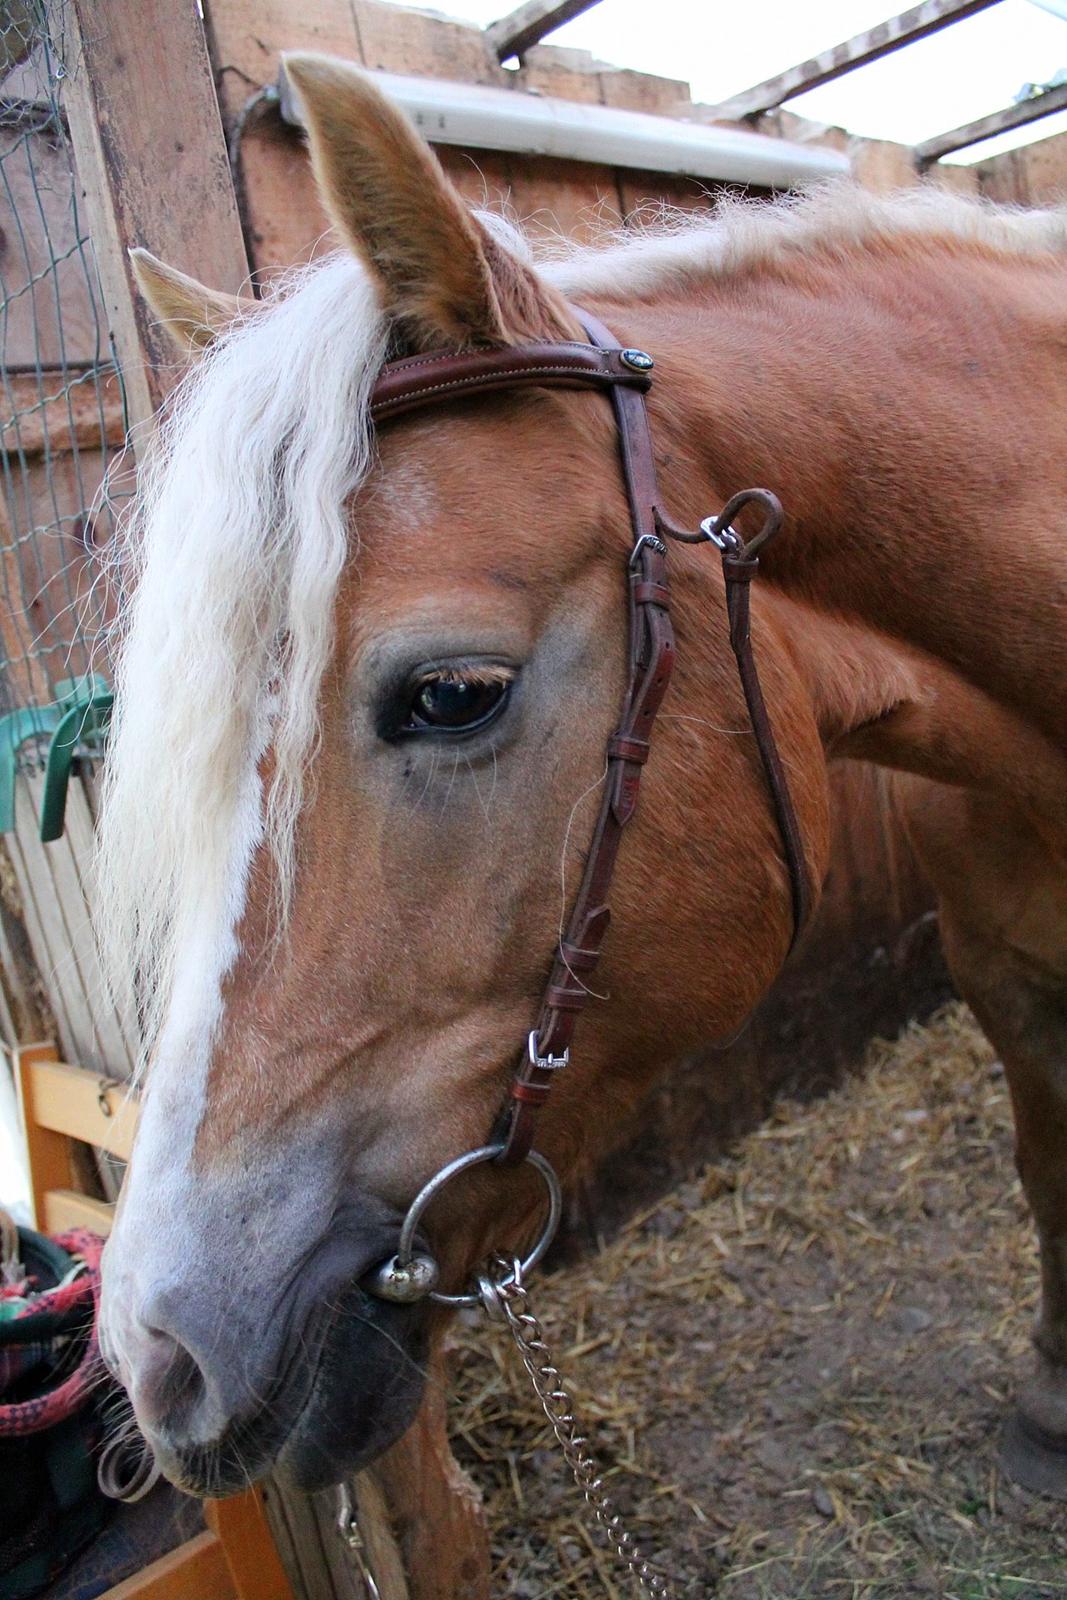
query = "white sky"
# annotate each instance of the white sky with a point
(720, 47)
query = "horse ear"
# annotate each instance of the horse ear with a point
(443, 279)
(192, 314)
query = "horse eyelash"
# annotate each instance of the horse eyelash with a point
(482, 673)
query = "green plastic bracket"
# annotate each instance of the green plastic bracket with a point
(77, 719)
(85, 716)
(16, 729)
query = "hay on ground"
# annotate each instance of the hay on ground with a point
(796, 1366)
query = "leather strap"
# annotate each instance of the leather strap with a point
(739, 569)
(417, 381)
(425, 380)
(651, 660)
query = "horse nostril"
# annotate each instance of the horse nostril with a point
(168, 1386)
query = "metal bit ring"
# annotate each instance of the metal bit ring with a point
(477, 1158)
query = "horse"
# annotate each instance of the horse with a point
(366, 678)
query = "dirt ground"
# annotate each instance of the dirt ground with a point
(794, 1368)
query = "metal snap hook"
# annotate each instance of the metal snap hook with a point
(719, 532)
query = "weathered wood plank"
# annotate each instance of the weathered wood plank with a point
(247, 37)
(51, 934)
(642, 91)
(381, 1553)
(118, 1033)
(550, 197)
(47, 278)
(274, 163)
(56, 410)
(396, 38)
(645, 195)
(566, 74)
(152, 158)
(251, 1558)
(1035, 175)
(69, 1100)
(196, 1570)
(22, 1002)
(35, 935)
(48, 1149)
(1016, 116)
(917, 23)
(434, 1510)
(98, 1041)
(66, 1208)
(514, 34)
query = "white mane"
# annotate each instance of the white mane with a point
(235, 547)
(674, 249)
(232, 558)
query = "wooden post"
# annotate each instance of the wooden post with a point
(433, 1509)
(151, 156)
(251, 1557)
(48, 1151)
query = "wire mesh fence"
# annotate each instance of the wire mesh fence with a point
(62, 414)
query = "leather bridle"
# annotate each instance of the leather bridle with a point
(418, 382)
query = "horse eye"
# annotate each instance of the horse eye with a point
(455, 704)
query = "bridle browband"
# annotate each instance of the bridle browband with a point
(419, 382)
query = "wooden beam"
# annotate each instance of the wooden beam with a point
(193, 1571)
(1017, 116)
(918, 23)
(48, 1151)
(418, 1495)
(44, 410)
(69, 1100)
(151, 157)
(255, 1568)
(65, 1209)
(514, 34)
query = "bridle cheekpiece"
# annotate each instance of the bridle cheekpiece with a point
(625, 373)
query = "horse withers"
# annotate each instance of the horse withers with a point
(366, 684)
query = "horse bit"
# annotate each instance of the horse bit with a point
(415, 383)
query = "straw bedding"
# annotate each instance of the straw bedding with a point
(794, 1367)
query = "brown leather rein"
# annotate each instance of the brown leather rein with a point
(418, 382)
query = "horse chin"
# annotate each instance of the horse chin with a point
(366, 1390)
(340, 1414)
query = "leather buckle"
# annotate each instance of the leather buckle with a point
(653, 543)
(544, 1063)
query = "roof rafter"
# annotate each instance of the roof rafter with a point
(917, 23)
(1016, 116)
(523, 27)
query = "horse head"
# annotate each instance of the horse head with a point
(366, 685)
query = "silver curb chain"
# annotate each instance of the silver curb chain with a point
(506, 1299)
(512, 1298)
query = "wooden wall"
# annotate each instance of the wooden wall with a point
(1036, 175)
(282, 218)
(62, 420)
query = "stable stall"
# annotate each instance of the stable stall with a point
(133, 122)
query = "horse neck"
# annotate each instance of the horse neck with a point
(911, 414)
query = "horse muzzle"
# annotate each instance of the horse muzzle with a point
(311, 1376)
